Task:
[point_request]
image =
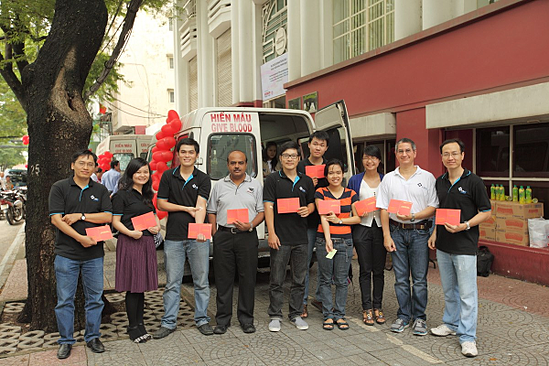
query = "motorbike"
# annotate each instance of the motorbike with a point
(13, 205)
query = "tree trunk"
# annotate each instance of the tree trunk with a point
(58, 125)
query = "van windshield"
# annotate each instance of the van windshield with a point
(124, 160)
(219, 148)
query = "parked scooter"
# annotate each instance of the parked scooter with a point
(13, 205)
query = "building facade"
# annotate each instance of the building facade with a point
(424, 69)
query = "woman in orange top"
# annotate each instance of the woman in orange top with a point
(334, 233)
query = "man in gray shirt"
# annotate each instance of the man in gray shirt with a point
(235, 243)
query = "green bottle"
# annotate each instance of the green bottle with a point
(528, 193)
(502, 193)
(521, 195)
(515, 193)
(492, 192)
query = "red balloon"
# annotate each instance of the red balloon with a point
(166, 156)
(168, 130)
(152, 164)
(176, 124)
(157, 156)
(108, 154)
(154, 149)
(169, 141)
(172, 115)
(161, 214)
(161, 145)
(159, 135)
(155, 185)
(161, 167)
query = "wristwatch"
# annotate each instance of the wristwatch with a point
(413, 218)
(468, 226)
(251, 227)
(340, 222)
(83, 217)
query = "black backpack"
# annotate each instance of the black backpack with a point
(484, 261)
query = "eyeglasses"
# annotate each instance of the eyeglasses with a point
(289, 156)
(82, 164)
(454, 155)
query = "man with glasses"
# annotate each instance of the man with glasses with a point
(76, 204)
(406, 235)
(287, 235)
(456, 246)
(318, 145)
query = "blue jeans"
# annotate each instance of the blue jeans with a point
(337, 269)
(175, 253)
(411, 258)
(458, 275)
(66, 273)
(296, 255)
(311, 238)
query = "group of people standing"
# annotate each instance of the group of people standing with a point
(186, 194)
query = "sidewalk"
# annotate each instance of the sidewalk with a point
(513, 329)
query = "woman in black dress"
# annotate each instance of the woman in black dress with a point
(136, 267)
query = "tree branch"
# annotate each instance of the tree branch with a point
(129, 20)
(11, 79)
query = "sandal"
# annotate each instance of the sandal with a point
(304, 314)
(368, 317)
(342, 324)
(380, 318)
(328, 325)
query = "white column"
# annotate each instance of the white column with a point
(326, 34)
(407, 18)
(294, 40)
(235, 47)
(181, 71)
(310, 41)
(245, 36)
(257, 47)
(436, 12)
(206, 60)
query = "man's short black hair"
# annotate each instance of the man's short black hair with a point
(451, 141)
(240, 151)
(84, 152)
(114, 163)
(320, 135)
(289, 145)
(187, 141)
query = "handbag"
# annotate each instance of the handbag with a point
(158, 239)
(485, 258)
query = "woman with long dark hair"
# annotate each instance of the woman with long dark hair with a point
(368, 239)
(270, 159)
(136, 268)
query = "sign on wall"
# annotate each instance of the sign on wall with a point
(273, 76)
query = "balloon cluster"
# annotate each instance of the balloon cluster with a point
(162, 152)
(25, 140)
(104, 160)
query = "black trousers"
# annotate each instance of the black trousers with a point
(235, 253)
(368, 242)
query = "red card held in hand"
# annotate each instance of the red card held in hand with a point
(367, 205)
(447, 215)
(195, 229)
(99, 233)
(240, 214)
(327, 206)
(143, 222)
(287, 205)
(315, 171)
(400, 207)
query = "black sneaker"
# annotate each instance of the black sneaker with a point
(206, 329)
(163, 332)
(219, 329)
(248, 328)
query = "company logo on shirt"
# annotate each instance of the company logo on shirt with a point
(421, 186)
(93, 198)
(462, 191)
(250, 190)
(195, 186)
(302, 189)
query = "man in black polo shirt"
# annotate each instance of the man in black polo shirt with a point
(75, 204)
(287, 235)
(318, 145)
(457, 246)
(183, 192)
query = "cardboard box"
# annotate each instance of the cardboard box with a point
(487, 233)
(511, 224)
(488, 224)
(513, 237)
(506, 209)
(493, 204)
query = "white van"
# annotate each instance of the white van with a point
(125, 147)
(220, 130)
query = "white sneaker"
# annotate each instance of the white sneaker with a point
(442, 331)
(469, 349)
(274, 325)
(299, 323)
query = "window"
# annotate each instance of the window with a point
(193, 84)
(387, 148)
(275, 103)
(224, 70)
(219, 148)
(171, 96)
(170, 24)
(124, 160)
(361, 26)
(170, 62)
(275, 16)
(531, 141)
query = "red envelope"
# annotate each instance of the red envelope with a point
(240, 214)
(99, 233)
(327, 206)
(367, 205)
(287, 205)
(400, 207)
(451, 216)
(143, 222)
(315, 171)
(195, 229)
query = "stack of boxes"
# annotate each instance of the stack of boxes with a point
(509, 222)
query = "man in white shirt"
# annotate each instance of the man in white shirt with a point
(111, 177)
(406, 236)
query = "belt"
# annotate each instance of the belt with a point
(232, 230)
(422, 225)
